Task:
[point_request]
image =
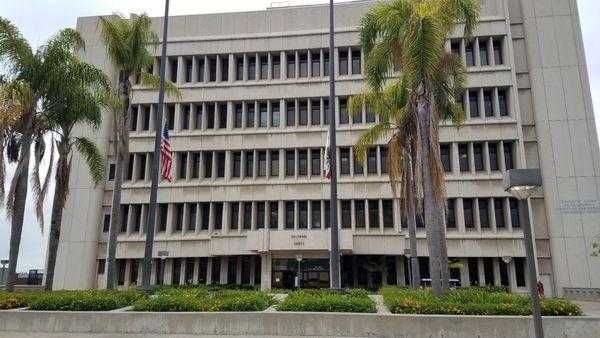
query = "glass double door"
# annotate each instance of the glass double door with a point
(314, 273)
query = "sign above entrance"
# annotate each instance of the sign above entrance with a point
(285, 240)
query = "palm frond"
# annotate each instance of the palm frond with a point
(370, 137)
(152, 81)
(15, 52)
(93, 158)
(40, 189)
(452, 12)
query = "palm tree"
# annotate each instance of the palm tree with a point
(29, 77)
(389, 106)
(127, 44)
(410, 35)
(78, 102)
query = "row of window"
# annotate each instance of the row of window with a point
(314, 214)
(485, 103)
(302, 162)
(478, 156)
(480, 52)
(260, 66)
(482, 213)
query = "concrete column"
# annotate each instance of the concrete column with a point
(460, 215)
(224, 269)
(495, 102)
(180, 70)
(464, 272)
(238, 271)
(476, 215)
(481, 271)
(231, 66)
(497, 261)
(400, 277)
(209, 266)
(476, 52)
(265, 273)
(168, 270)
(196, 271)
(455, 159)
(252, 270)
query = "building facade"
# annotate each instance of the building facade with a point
(248, 134)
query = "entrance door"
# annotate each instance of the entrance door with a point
(314, 273)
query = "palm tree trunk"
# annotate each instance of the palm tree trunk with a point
(115, 217)
(429, 204)
(18, 214)
(412, 222)
(58, 203)
(444, 261)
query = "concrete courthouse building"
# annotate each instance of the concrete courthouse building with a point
(248, 137)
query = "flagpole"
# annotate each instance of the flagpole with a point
(147, 268)
(334, 259)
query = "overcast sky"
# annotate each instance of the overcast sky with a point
(39, 19)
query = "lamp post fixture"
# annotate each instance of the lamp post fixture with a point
(3, 262)
(521, 183)
(407, 254)
(163, 256)
(298, 259)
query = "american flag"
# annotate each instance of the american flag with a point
(165, 151)
(327, 159)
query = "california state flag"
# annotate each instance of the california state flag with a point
(327, 159)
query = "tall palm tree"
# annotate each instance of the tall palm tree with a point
(389, 106)
(410, 35)
(29, 77)
(127, 43)
(78, 102)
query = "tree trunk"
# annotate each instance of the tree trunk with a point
(18, 214)
(115, 221)
(58, 203)
(429, 204)
(444, 261)
(412, 222)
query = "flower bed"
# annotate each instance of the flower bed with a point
(15, 300)
(327, 301)
(88, 300)
(471, 302)
(198, 299)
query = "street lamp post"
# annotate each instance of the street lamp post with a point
(521, 183)
(299, 260)
(3, 262)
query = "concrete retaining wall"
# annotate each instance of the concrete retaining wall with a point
(289, 324)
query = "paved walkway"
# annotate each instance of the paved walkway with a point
(589, 308)
(86, 335)
(381, 308)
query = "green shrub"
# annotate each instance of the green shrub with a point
(89, 300)
(471, 301)
(200, 300)
(15, 300)
(328, 301)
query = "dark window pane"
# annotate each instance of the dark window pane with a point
(508, 157)
(162, 212)
(470, 56)
(493, 155)
(373, 214)
(325, 64)
(210, 116)
(343, 62)
(370, 115)
(171, 117)
(327, 214)
(498, 52)
(483, 213)
(388, 213)
(359, 214)
(218, 215)
(468, 211)
(473, 271)
(372, 161)
(275, 114)
(250, 115)
(473, 104)
(445, 157)
(487, 103)
(316, 64)
(146, 121)
(291, 66)
(289, 215)
(344, 118)
(220, 164)
(303, 112)
(239, 114)
(346, 215)
(262, 163)
(142, 166)
(111, 172)
(290, 163)
(315, 155)
(249, 164)
(174, 70)
(276, 67)
(316, 214)
(252, 68)
(488, 270)
(182, 165)
(223, 116)
(302, 215)
(357, 117)
(520, 271)
(315, 113)
(225, 69)
(344, 161)
(134, 118)
(273, 215)
(216, 270)
(193, 216)
(247, 215)
(232, 270)
(208, 165)
(260, 215)
(499, 212)
(212, 64)
(478, 156)
(455, 48)
(239, 68)
(303, 65)
(198, 117)
(201, 69)
(205, 215)
(106, 225)
(302, 162)
(358, 167)
(274, 163)
(502, 102)
(290, 119)
(264, 67)
(483, 53)
(263, 115)
(326, 112)
(356, 62)
(237, 164)
(179, 217)
(451, 216)
(195, 165)
(383, 152)
(463, 157)
(185, 123)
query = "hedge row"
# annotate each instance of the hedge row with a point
(327, 301)
(88, 300)
(198, 299)
(469, 301)
(15, 300)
